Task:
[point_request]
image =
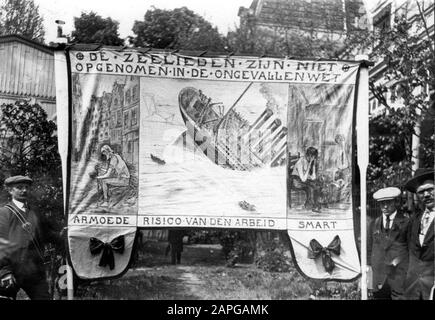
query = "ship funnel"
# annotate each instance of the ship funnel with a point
(264, 135)
(275, 146)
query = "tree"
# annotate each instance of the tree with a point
(21, 17)
(28, 141)
(92, 28)
(180, 28)
(389, 149)
(409, 78)
(28, 146)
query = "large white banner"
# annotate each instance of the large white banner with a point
(161, 140)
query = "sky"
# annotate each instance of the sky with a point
(220, 13)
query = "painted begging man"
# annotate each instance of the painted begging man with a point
(387, 251)
(23, 268)
(116, 175)
(419, 284)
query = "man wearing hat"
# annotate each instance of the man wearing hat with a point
(387, 252)
(420, 277)
(24, 267)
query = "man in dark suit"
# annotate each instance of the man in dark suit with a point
(24, 267)
(175, 239)
(387, 252)
(420, 277)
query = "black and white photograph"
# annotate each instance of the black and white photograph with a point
(214, 158)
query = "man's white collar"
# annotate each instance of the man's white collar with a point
(392, 216)
(19, 204)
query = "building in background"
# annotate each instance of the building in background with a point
(382, 20)
(321, 19)
(27, 73)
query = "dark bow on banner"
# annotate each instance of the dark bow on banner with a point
(107, 258)
(317, 250)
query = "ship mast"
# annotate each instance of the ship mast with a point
(216, 128)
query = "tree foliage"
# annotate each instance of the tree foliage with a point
(28, 140)
(21, 17)
(410, 66)
(389, 149)
(409, 78)
(179, 28)
(92, 28)
(28, 146)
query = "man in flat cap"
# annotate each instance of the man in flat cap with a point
(420, 277)
(387, 251)
(22, 226)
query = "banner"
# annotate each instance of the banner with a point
(320, 180)
(162, 140)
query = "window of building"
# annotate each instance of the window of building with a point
(134, 117)
(126, 119)
(382, 21)
(135, 95)
(127, 96)
(119, 118)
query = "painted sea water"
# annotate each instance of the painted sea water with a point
(190, 182)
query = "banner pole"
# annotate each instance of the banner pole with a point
(62, 114)
(69, 282)
(362, 125)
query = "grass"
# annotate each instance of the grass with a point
(145, 285)
(247, 282)
(203, 275)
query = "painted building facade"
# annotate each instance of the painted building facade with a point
(131, 119)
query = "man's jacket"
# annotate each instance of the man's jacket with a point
(387, 253)
(420, 276)
(175, 238)
(26, 260)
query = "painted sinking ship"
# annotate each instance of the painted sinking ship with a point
(227, 138)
